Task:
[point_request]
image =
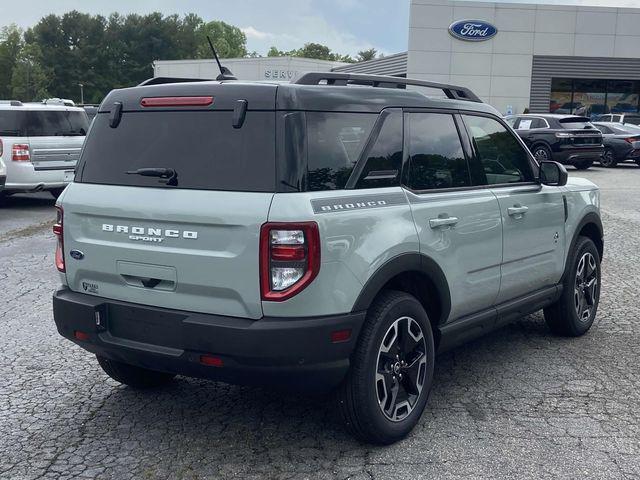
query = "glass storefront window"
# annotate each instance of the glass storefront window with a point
(622, 96)
(589, 97)
(561, 94)
(592, 98)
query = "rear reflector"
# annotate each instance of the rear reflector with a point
(340, 336)
(82, 336)
(176, 101)
(211, 361)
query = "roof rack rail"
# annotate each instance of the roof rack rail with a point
(383, 81)
(161, 80)
(13, 103)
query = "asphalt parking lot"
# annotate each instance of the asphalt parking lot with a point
(520, 403)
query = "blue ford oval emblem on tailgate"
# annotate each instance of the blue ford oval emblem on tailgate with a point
(472, 30)
(77, 254)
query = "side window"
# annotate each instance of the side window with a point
(502, 157)
(526, 124)
(538, 123)
(511, 121)
(384, 159)
(436, 157)
(334, 143)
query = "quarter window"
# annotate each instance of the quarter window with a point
(502, 157)
(436, 156)
(384, 159)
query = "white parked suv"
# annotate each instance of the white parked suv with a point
(40, 145)
(3, 174)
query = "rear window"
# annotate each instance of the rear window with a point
(202, 147)
(42, 123)
(576, 123)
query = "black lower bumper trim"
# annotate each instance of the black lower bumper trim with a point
(287, 352)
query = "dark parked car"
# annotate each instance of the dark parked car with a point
(567, 139)
(621, 143)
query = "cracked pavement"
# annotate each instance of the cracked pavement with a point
(519, 403)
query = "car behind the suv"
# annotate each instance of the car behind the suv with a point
(632, 118)
(621, 143)
(40, 145)
(331, 234)
(567, 139)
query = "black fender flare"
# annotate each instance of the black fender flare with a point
(406, 262)
(589, 218)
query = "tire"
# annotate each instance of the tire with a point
(584, 165)
(56, 192)
(608, 159)
(135, 377)
(574, 312)
(395, 319)
(542, 153)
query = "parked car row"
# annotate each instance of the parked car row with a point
(576, 140)
(39, 145)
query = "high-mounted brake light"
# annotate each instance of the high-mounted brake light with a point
(20, 152)
(176, 101)
(289, 258)
(58, 231)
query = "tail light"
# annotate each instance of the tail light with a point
(289, 258)
(632, 139)
(59, 233)
(20, 152)
(1, 148)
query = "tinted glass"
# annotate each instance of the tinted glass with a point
(436, 156)
(384, 159)
(43, 123)
(575, 123)
(202, 147)
(622, 96)
(12, 123)
(334, 144)
(633, 119)
(502, 157)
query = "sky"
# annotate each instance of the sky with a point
(346, 26)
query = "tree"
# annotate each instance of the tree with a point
(229, 41)
(10, 45)
(365, 55)
(30, 79)
(274, 52)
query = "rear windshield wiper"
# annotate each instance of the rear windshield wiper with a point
(164, 173)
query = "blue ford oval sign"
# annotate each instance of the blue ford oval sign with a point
(472, 30)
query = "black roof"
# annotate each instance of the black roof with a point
(350, 93)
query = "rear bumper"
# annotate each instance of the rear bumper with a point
(573, 156)
(24, 177)
(284, 352)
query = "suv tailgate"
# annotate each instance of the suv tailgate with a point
(192, 250)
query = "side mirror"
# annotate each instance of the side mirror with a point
(553, 173)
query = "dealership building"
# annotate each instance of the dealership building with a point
(515, 56)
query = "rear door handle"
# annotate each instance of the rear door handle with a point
(517, 210)
(442, 222)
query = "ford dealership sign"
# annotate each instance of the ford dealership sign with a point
(472, 30)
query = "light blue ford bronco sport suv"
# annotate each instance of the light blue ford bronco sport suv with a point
(331, 234)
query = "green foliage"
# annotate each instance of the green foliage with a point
(29, 79)
(311, 50)
(59, 52)
(10, 46)
(365, 55)
(230, 41)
